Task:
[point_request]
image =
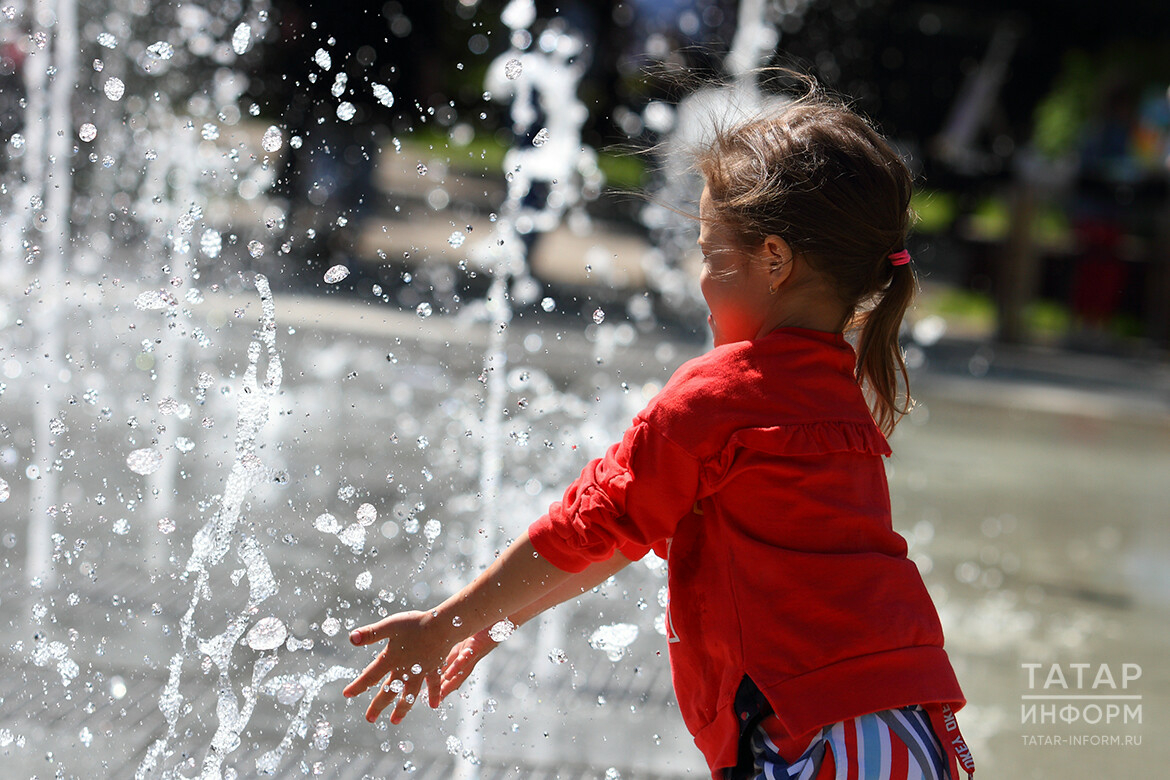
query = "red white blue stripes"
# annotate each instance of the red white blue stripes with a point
(889, 745)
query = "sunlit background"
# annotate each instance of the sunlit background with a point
(309, 308)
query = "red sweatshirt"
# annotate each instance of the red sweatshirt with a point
(757, 473)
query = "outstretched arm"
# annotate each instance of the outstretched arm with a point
(417, 643)
(465, 655)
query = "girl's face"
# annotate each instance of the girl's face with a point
(735, 282)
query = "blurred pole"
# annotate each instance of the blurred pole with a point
(1157, 303)
(182, 172)
(18, 223)
(1018, 264)
(49, 324)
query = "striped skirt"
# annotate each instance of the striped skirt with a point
(888, 745)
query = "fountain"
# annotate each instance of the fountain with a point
(190, 576)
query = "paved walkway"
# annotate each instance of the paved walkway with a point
(1030, 485)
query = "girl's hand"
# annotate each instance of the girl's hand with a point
(462, 659)
(414, 652)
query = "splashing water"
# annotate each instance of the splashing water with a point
(383, 95)
(268, 634)
(210, 548)
(502, 630)
(614, 639)
(271, 141)
(114, 88)
(336, 274)
(144, 461)
(242, 38)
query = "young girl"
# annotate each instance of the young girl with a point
(802, 641)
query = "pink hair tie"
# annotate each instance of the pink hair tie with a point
(900, 258)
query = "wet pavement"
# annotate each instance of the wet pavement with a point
(1031, 486)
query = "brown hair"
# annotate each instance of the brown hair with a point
(819, 176)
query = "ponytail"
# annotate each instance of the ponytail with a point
(879, 356)
(822, 178)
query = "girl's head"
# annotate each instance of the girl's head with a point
(813, 197)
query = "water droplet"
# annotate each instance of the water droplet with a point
(431, 530)
(86, 736)
(114, 88)
(153, 300)
(321, 734)
(327, 523)
(166, 525)
(423, 442)
(107, 40)
(383, 95)
(242, 38)
(353, 537)
(598, 316)
(502, 630)
(513, 68)
(5, 491)
(423, 310)
(331, 626)
(144, 461)
(456, 239)
(255, 248)
(612, 774)
(210, 242)
(614, 639)
(272, 140)
(364, 581)
(183, 444)
(161, 50)
(367, 514)
(454, 745)
(456, 621)
(336, 274)
(88, 132)
(209, 131)
(422, 169)
(323, 60)
(268, 634)
(557, 656)
(541, 137)
(346, 111)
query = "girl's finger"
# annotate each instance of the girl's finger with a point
(406, 699)
(367, 679)
(434, 689)
(453, 655)
(373, 632)
(382, 699)
(453, 677)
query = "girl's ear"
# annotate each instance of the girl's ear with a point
(777, 254)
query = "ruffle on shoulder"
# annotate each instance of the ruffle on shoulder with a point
(797, 440)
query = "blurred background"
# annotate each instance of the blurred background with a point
(310, 307)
